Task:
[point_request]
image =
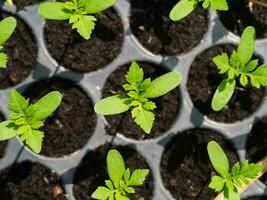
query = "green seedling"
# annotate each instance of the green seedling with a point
(230, 181)
(238, 66)
(26, 120)
(121, 182)
(7, 27)
(78, 12)
(139, 91)
(185, 7)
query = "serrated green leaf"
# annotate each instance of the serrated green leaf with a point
(17, 103)
(260, 75)
(109, 184)
(218, 159)
(113, 105)
(3, 60)
(231, 194)
(215, 4)
(135, 75)
(7, 130)
(116, 166)
(45, 106)
(85, 25)
(222, 62)
(102, 193)
(182, 9)
(234, 60)
(246, 45)
(130, 190)
(250, 171)
(163, 84)
(34, 140)
(7, 27)
(243, 80)
(138, 177)
(223, 94)
(127, 175)
(144, 84)
(54, 11)
(93, 6)
(217, 183)
(143, 118)
(149, 105)
(251, 66)
(231, 73)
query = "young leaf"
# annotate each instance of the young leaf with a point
(3, 60)
(218, 158)
(17, 103)
(34, 140)
(182, 9)
(231, 194)
(223, 94)
(138, 177)
(163, 84)
(102, 193)
(54, 11)
(259, 75)
(113, 105)
(144, 118)
(7, 130)
(217, 183)
(93, 6)
(84, 25)
(7, 27)
(135, 75)
(246, 46)
(45, 106)
(215, 4)
(222, 62)
(115, 165)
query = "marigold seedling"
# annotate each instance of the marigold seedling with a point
(26, 120)
(7, 27)
(230, 181)
(185, 7)
(78, 12)
(139, 90)
(121, 182)
(240, 66)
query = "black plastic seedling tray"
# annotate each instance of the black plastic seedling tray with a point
(152, 150)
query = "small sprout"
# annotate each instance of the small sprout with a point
(78, 12)
(239, 66)
(185, 7)
(139, 90)
(230, 181)
(26, 120)
(121, 182)
(7, 27)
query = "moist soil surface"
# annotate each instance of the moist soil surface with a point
(27, 181)
(3, 144)
(21, 49)
(165, 114)
(71, 126)
(185, 167)
(20, 4)
(204, 78)
(257, 143)
(72, 51)
(92, 172)
(150, 23)
(241, 15)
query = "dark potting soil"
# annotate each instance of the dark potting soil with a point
(165, 114)
(27, 181)
(74, 52)
(257, 143)
(150, 23)
(20, 4)
(204, 78)
(185, 167)
(3, 144)
(69, 129)
(241, 15)
(92, 173)
(21, 49)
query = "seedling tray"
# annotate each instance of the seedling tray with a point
(92, 83)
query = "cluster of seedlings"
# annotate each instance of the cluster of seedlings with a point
(26, 120)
